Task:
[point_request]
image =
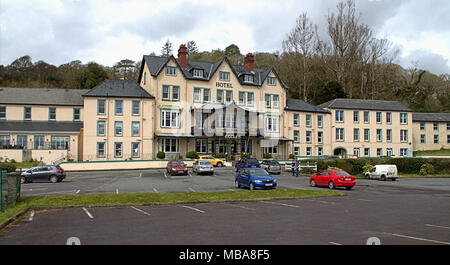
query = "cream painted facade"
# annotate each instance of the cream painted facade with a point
(432, 135)
(41, 112)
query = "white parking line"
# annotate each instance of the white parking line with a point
(189, 174)
(438, 226)
(31, 216)
(139, 210)
(334, 243)
(78, 191)
(191, 189)
(165, 174)
(117, 191)
(155, 190)
(54, 192)
(365, 200)
(240, 206)
(418, 238)
(332, 203)
(88, 213)
(283, 204)
(38, 189)
(192, 208)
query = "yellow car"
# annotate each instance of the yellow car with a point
(214, 161)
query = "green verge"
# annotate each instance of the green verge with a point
(88, 200)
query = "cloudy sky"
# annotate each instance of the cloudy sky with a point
(106, 31)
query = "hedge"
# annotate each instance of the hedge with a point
(9, 167)
(404, 165)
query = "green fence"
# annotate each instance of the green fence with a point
(9, 189)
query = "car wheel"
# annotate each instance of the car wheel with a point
(251, 186)
(383, 177)
(23, 180)
(331, 185)
(53, 179)
(236, 184)
(313, 183)
(219, 164)
(348, 188)
(367, 176)
(394, 179)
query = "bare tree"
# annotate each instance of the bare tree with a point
(167, 49)
(191, 47)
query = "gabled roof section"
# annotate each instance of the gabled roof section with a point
(364, 104)
(431, 117)
(42, 96)
(119, 89)
(300, 105)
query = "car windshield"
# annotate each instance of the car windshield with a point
(252, 161)
(341, 173)
(204, 163)
(177, 163)
(258, 172)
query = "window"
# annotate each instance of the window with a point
(448, 126)
(422, 139)
(356, 134)
(339, 115)
(169, 145)
(403, 136)
(379, 151)
(2, 112)
(435, 126)
(389, 135)
(197, 73)
(224, 76)
(76, 114)
(319, 151)
(389, 152)
(101, 126)
(296, 136)
(27, 113)
(296, 119)
(271, 123)
(118, 107)
(271, 81)
(403, 151)
(241, 98)
(229, 121)
(38, 142)
(355, 116)
(198, 94)
(206, 95)
(60, 142)
(366, 135)
(268, 100)
(388, 117)
(52, 113)
(356, 152)
(135, 149)
(379, 135)
(101, 106)
(250, 99)
(308, 136)
(308, 120)
(165, 92)
(403, 118)
(171, 70)
(366, 117)
(170, 118)
(436, 139)
(22, 141)
(276, 101)
(100, 149)
(229, 96)
(379, 117)
(422, 126)
(320, 137)
(366, 151)
(175, 93)
(448, 138)
(340, 134)
(248, 78)
(271, 149)
(135, 128)
(320, 121)
(201, 145)
(5, 140)
(296, 150)
(145, 78)
(246, 146)
(118, 149)
(118, 128)
(308, 151)
(135, 107)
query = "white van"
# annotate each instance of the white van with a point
(382, 172)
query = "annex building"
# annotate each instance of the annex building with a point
(177, 106)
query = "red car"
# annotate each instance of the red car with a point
(332, 179)
(176, 167)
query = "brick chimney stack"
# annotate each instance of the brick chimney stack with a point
(182, 56)
(249, 62)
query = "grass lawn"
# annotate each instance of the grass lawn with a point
(155, 198)
(432, 152)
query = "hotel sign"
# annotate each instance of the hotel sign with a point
(226, 85)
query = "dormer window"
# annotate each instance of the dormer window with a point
(197, 73)
(248, 78)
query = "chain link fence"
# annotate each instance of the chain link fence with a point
(9, 189)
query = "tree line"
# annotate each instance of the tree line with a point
(348, 62)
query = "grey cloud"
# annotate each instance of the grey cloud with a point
(431, 62)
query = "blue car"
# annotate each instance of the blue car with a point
(247, 163)
(255, 178)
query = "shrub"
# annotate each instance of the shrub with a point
(291, 156)
(9, 167)
(426, 169)
(267, 155)
(161, 155)
(192, 155)
(13, 161)
(334, 168)
(367, 167)
(219, 155)
(307, 171)
(245, 155)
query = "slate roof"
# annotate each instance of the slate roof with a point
(430, 117)
(300, 105)
(118, 88)
(40, 126)
(42, 96)
(157, 63)
(364, 104)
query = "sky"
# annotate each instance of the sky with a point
(107, 31)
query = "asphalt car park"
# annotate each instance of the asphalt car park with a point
(407, 211)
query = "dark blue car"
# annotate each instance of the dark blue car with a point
(255, 178)
(247, 163)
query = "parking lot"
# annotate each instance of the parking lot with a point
(407, 211)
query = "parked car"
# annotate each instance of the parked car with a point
(43, 173)
(382, 172)
(332, 179)
(214, 161)
(271, 166)
(255, 178)
(247, 163)
(203, 166)
(176, 167)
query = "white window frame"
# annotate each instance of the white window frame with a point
(170, 143)
(403, 118)
(173, 123)
(403, 136)
(171, 70)
(197, 73)
(271, 81)
(339, 116)
(272, 123)
(203, 144)
(340, 135)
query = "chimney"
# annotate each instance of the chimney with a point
(248, 62)
(182, 56)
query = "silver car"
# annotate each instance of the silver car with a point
(271, 166)
(203, 166)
